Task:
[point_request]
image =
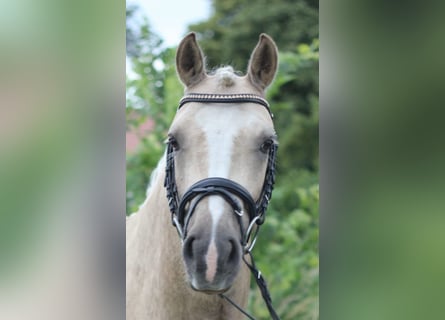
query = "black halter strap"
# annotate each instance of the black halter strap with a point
(233, 193)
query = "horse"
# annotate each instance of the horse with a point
(218, 159)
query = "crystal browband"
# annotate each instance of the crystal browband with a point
(225, 98)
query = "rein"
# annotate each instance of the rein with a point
(183, 208)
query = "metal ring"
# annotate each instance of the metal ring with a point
(248, 247)
(249, 229)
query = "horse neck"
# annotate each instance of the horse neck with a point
(160, 286)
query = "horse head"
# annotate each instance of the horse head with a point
(219, 164)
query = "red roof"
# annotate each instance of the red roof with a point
(134, 135)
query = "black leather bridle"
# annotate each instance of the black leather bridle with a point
(233, 193)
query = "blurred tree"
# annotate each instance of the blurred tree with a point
(140, 41)
(294, 98)
(229, 35)
(152, 93)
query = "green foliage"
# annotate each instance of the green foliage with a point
(159, 92)
(294, 97)
(287, 247)
(287, 254)
(289, 22)
(153, 92)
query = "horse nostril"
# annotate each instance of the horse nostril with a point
(233, 255)
(188, 247)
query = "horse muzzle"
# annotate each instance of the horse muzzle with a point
(212, 263)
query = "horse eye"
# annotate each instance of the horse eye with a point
(265, 147)
(173, 142)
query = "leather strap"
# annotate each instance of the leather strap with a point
(225, 98)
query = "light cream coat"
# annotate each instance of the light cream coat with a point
(157, 283)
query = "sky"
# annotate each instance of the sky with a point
(170, 18)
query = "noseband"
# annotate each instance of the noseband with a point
(233, 193)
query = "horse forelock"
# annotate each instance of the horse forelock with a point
(226, 76)
(225, 80)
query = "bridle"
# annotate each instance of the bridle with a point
(233, 193)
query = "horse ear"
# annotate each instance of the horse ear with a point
(190, 61)
(263, 62)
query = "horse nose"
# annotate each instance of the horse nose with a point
(212, 262)
(194, 250)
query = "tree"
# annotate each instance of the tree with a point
(229, 35)
(152, 92)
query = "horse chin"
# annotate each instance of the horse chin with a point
(210, 291)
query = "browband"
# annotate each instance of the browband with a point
(225, 98)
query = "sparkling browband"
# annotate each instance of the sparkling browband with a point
(225, 98)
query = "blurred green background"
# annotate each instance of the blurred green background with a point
(382, 155)
(287, 248)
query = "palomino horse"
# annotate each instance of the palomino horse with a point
(219, 158)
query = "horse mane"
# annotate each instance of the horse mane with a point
(154, 175)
